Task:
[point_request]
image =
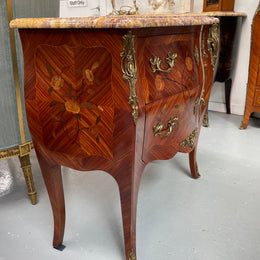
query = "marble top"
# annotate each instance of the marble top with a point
(114, 21)
(224, 13)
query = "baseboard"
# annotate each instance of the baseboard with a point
(221, 107)
(216, 106)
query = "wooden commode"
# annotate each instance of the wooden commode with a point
(114, 93)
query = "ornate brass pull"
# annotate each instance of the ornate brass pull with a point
(200, 102)
(157, 129)
(156, 63)
(196, 54)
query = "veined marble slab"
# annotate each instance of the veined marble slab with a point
(114, 21)
(223, 13)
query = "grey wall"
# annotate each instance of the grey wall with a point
(9, 128)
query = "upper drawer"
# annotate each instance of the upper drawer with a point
(169, 64)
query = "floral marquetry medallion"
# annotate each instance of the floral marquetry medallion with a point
(74, 98)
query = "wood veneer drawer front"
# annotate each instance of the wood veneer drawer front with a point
(169, 122)
(258, 77)
(257, 98)
(171, 65)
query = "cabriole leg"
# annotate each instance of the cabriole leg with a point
(193, 164)
(53, 182)
(128, 188)
(246, 118)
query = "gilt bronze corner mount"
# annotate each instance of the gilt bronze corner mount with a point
(190, 140)
(128, 65)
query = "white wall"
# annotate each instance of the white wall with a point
(93, 8)
(240, 78)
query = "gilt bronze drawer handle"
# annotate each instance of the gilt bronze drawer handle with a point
(200, 102)
(157, 129)
(196, 54)
(170, 60)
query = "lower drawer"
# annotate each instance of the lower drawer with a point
(257, 98)
(258, 77)
(169, 122)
